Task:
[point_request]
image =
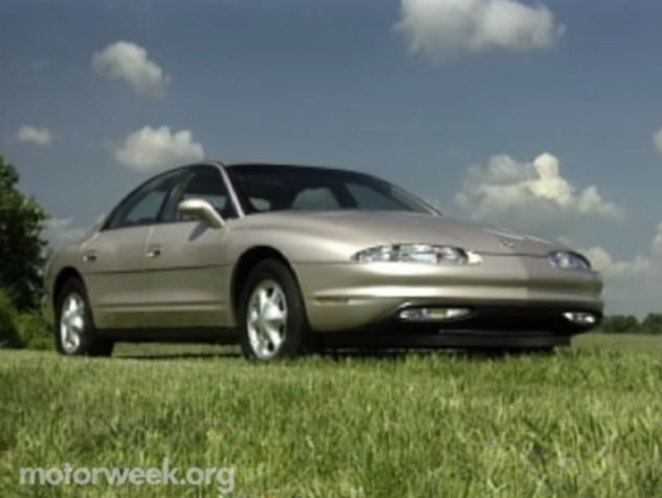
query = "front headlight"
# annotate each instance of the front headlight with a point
(567, 260)
(417, 253)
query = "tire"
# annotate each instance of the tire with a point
(278, 328)
(75, 332)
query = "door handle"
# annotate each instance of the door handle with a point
(153, 252)
(90, 257)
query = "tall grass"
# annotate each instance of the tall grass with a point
(28, 329)
(35, 331)
(9, 332)
(581, 423)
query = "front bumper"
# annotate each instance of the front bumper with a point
(354, 296)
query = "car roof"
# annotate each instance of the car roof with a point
(278, 167)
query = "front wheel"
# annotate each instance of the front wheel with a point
(75, 333)
(272, 318)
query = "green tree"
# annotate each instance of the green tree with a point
(21, 243)
(652, 324)
(9, 332)
(620, 324)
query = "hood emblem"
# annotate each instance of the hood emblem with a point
(507, 243)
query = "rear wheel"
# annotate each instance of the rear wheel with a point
(75, 333)
(272, 318)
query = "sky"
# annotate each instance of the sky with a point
(542, 116)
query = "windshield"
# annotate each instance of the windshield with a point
(275, 188)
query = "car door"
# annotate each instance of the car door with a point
(115, 259)
(188, 273)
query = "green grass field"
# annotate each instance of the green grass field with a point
(584, 422)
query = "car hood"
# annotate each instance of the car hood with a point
(369, 228)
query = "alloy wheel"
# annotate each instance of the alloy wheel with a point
(266, 320)
(72, 322)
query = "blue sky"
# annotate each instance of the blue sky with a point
(457, 100)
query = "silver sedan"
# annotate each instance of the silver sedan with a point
(287, 259)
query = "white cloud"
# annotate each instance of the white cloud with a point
(657, 141)
(35, 135)
(130, 62)
(443, 28)
(529, 193)
(631, 285)
(152, 149)
(602, 261)
(657, 241)
(61, 231)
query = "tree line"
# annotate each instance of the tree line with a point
(630, 324)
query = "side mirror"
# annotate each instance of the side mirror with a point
(201, 209)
